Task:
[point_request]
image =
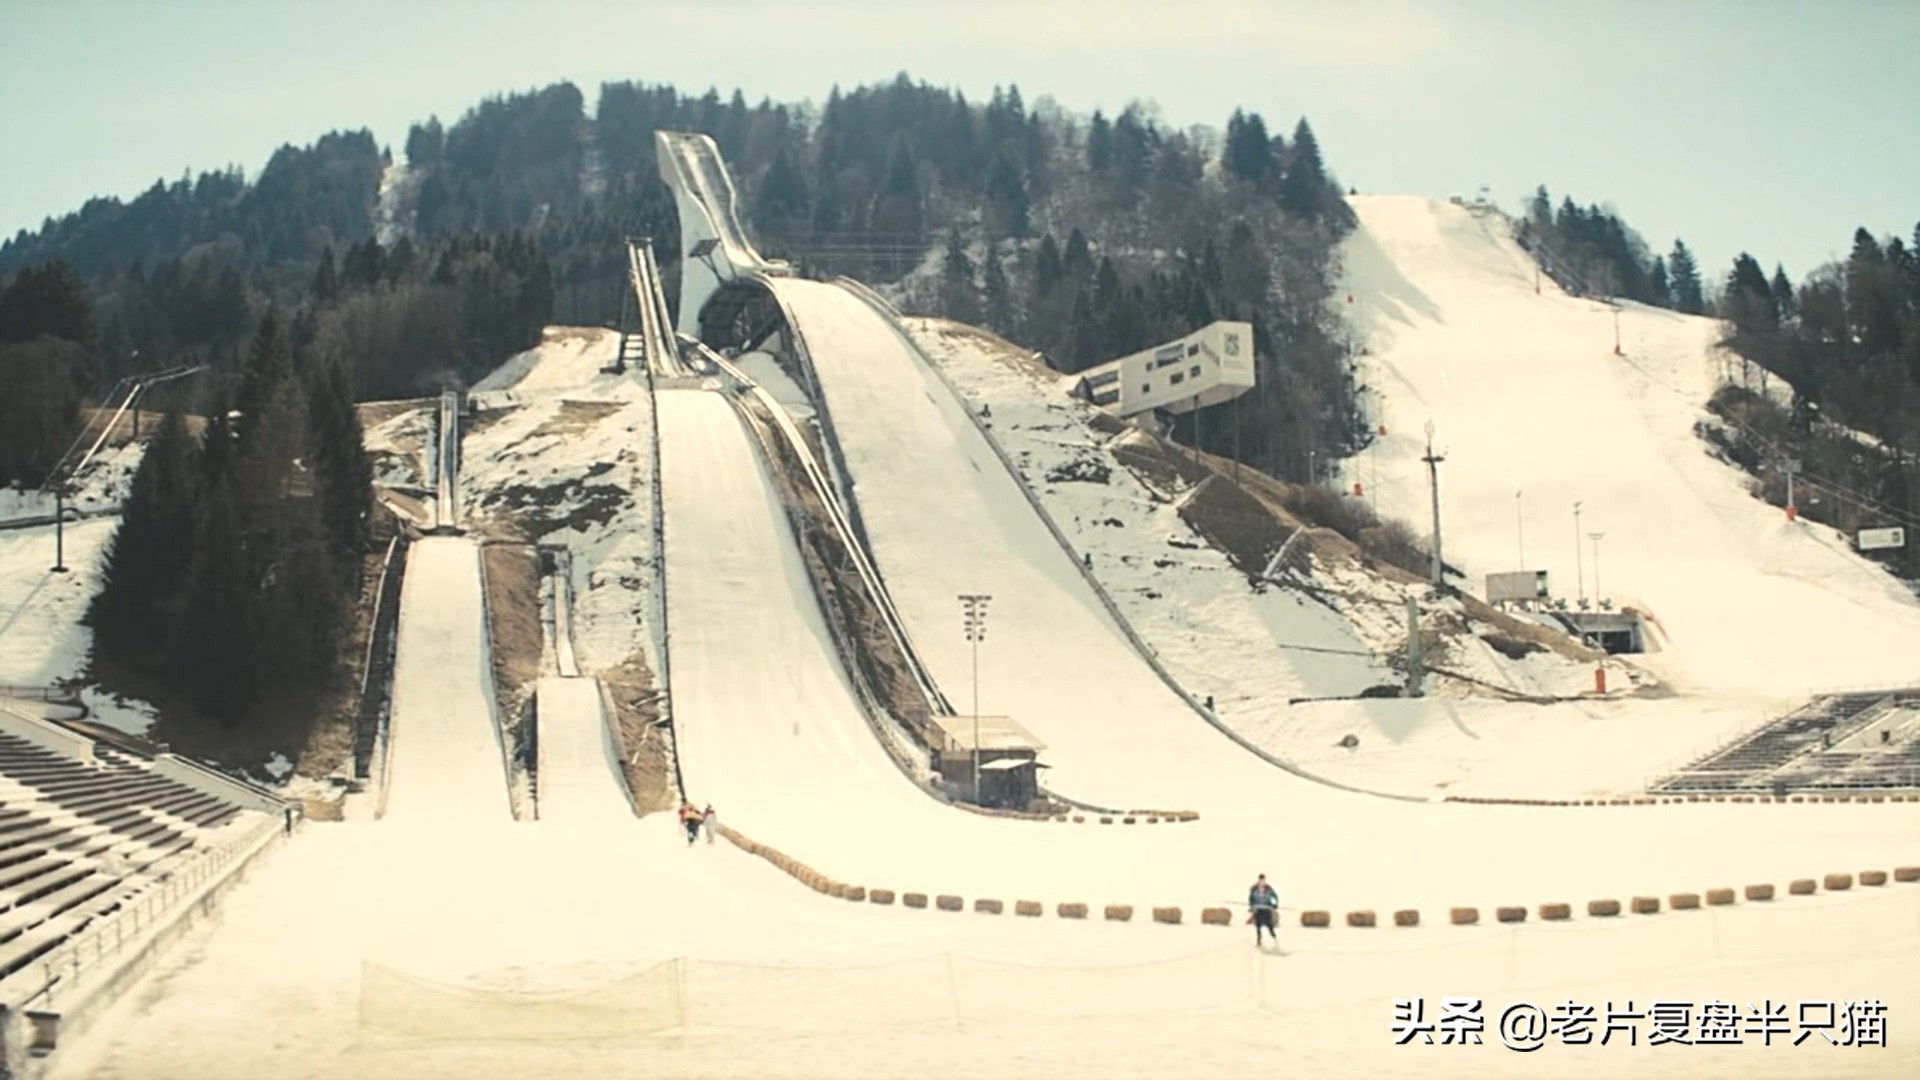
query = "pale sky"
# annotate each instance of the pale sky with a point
(1775, 126)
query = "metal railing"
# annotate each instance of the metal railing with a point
(379, 654)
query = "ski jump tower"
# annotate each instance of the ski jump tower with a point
(714, 248)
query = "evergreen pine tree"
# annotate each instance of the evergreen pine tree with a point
(1247, 153)
(1076, 263)
(1688, 295)
(1657, 282)
(1303, 190)
(1749, 299)
(1099, 143)
(1782, 293)
(960, 300)
(1000, 315)
(344, 474)
(150, 553)
(215, 654)
(1006, 197)
(326, 280)
(1047, 269)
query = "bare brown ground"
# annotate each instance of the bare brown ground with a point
(513, 626)
(575, 417)
(374, 413)
(645, 759)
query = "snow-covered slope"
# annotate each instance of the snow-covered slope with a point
(1526, 396)
(445, 761)
(580, 779)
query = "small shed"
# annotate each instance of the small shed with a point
(1007, 754)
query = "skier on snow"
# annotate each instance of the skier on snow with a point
(690, 819)
(1264, 904)
(706, 822)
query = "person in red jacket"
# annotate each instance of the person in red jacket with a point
(690, 820)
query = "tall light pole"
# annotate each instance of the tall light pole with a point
(59, 526)
(1595, 537)
(1433, 482)
(1579, 571)
(1520, 529)
(975, 608)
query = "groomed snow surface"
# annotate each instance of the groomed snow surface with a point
(1526, 396)
(473, 944)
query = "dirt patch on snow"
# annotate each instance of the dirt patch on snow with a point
(513, 631)
(646, 756)
(375, 413)
(529, 512)
(1236, 524)
(576, 417)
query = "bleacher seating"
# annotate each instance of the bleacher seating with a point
(79, 837)
(1798, 751)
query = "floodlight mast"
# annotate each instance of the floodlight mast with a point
(974, 606)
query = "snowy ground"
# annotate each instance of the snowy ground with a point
(1526, 396)
(1251, 652)
(399, 448)
(1257, 653)
(708, 963)
(604, 947)
(580, 778)
(101, 488)
(570, 465)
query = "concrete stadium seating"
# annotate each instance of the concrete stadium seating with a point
(79, 837)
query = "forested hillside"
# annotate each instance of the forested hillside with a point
(1081, 238)
(1843, 347)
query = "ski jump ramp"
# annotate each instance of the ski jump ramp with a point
(445, 759)
(579, 775)
(704, 194)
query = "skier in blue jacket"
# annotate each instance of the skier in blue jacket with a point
(1265, 906)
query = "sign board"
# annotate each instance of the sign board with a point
(1517, 585)
(1875, 539)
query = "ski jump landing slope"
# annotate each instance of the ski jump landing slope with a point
(580, 778)
(1526, 396)
(944, 517)
(445, 762)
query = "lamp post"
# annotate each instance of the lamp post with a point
(1579, 570)
(59, 526)
(1433, 483)
(1520, 529)
(1595, 537)
(975, 607)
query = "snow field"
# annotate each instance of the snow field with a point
(1258, 654)
(954, 522)
(1527, 396)
(707, 963)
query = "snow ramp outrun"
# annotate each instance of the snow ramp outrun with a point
(445, 761)
(579, 772)
(944, 517)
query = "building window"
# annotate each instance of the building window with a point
(1196, 371)
(1193, 350)
(1146, 388)
(1177, 378)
